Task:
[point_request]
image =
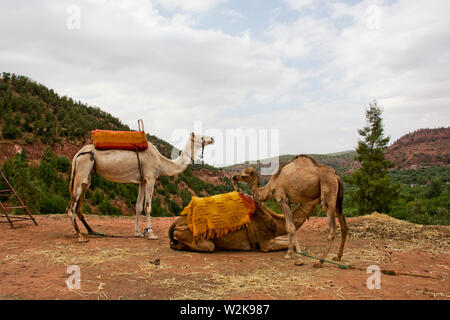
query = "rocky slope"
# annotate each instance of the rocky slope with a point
(423, 147)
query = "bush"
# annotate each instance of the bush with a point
(174, 207)
(86, 208)
(63, 164)
(97, 197)
(171, 188)
(51, 204)
(10, 131)
(106, 207)
(157, 210)
(185, 196)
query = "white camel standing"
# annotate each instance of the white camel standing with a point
(124, 166)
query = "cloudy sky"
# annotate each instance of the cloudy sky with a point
(306, 68)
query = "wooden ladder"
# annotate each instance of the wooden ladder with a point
(8, 193)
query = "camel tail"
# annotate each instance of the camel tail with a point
(340, 197)
(72, 174)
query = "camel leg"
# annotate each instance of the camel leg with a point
(72, 209)
(344, 231)
(139, 206)
(79, 210)
(81, 182)
(202, 246)
(273, 245)
(331, 235)
(186, 242)
(290, 228)
(148, 207)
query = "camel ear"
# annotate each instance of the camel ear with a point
(192, 134)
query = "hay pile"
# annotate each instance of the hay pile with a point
(381, 226)
(267, 280)
(71, 254)
(68, 255)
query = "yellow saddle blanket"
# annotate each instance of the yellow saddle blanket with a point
(212, 217)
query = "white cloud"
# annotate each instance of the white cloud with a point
(235, 15)
(298, 4)
(311, 78)
(190, 5)
(404, 64)
(135, 63)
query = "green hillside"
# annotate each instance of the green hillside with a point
(35, 117)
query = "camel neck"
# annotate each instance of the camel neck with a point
(178, 165)
(261, 193)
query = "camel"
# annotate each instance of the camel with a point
(265, 225)
(299, 181)
(124, 166)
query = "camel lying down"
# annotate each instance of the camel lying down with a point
(265, 225)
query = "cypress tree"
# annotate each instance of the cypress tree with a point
(374, 190)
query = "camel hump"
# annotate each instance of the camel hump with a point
(301, 160)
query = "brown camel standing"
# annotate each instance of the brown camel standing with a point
(300, 181)
(265, 225)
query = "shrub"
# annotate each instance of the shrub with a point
(185, 196)
(174, 207)
(106, 207)
(97, 197)
(51, 204)
(157, 210)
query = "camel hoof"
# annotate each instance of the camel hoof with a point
(299, 262)
(152, 236)
(288, 256)
(82, 239)
(337, 258)
(175, 246)
(317, 265)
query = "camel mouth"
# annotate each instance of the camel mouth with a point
(210, 141)
(236, 178)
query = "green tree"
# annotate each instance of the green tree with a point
(373, 188)
(23, 180)
(47, 172)
(9, 129)
(435, 188)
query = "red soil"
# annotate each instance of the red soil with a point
(34, 261)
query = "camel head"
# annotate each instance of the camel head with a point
(197, 142)
(201, 141)
(248, 175)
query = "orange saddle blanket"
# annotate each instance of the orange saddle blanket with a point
(122, 140)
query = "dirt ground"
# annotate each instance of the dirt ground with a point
(34, 262)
